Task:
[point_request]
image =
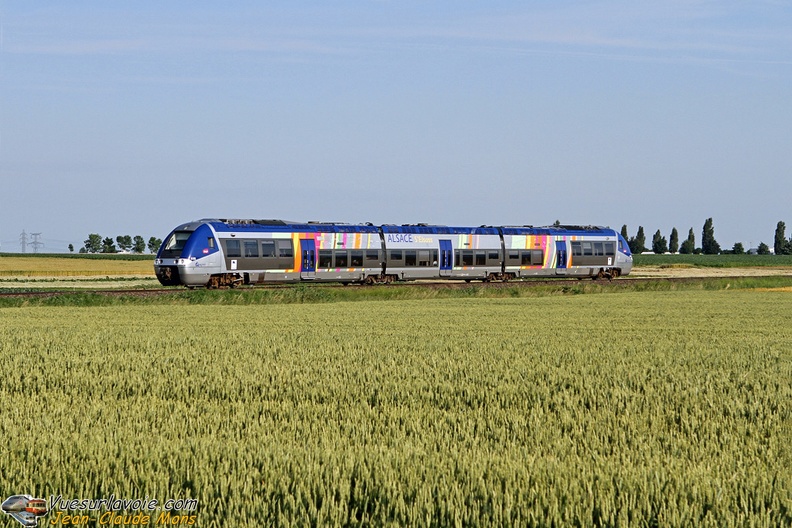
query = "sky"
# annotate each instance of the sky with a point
(131, 117)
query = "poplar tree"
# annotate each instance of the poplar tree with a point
(689, 245)
(673, 244)
(781, 246)
(659, 244)
(709, 246)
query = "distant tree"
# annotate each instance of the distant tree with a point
(673, 243)
(624, 234)
(689, 246)
(71, 248)
(638, 242)
(108, 246)
(782, 246)
(763, 249)
(557, 223)
(709, 246)
(659, 243)
(738, 249)
(154, 244)
(124, 242)
(138, 244)
(93, 243)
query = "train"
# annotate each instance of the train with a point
(216, 253)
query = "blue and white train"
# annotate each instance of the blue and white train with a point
(227, 252)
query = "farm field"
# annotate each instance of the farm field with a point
(640, 408)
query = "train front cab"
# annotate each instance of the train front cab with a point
(189, 256)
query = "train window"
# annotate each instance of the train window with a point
(341, 259)
(285, 248)
(467, 258)
(233, 248)
(587, 249)
(175, 244)
(251, 248)
(599, 249)
(610, 249)
(577, 249)
(537, 257)
(481, 258)
(356, 260)
(210, 242)
(514, 257)
(493, 255)
(267, 248)
(325, 258)
(458, 257)
(410, 258)
(372, 255)
(423, 258)
(434, 257)
(525, 259)
(396, 254)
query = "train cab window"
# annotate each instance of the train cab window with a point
(599, 249)
(233, 248)
(341, 259)
(537, 257)
(268, 248)
(481, 258)
(285, 248)
(372, 256)
(356, 259)
(588, 250)
(210, 242)
(175, 244)
(610, 249)
(410, 258)
(251, 248)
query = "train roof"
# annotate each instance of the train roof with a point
(227, 225)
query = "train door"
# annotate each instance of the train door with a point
(446, 258)
(308, 260)
(561, 257)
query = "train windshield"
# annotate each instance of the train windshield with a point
(175, 244)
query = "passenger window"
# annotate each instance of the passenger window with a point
(609, 249)
(357, 259)
(325, 258)
(537, 257)
(285, 248)
(423, 258)
(372, 255)
(514, 256)
(233, 248)
(467, 258)
(587, 249)
(341, 259)
(410, 258)
(494, 255)
(577, 250)
(396, 254)
(251, 248)
(481, 258)
(599, 249)
(526, 258)
(268, 248)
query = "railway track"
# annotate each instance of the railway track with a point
(527, 283)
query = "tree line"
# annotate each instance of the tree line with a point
(709, 246)
(122, 243)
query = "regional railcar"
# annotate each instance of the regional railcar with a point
(226, 252)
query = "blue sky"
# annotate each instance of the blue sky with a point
(132, 117)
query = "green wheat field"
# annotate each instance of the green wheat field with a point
(615, 409)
